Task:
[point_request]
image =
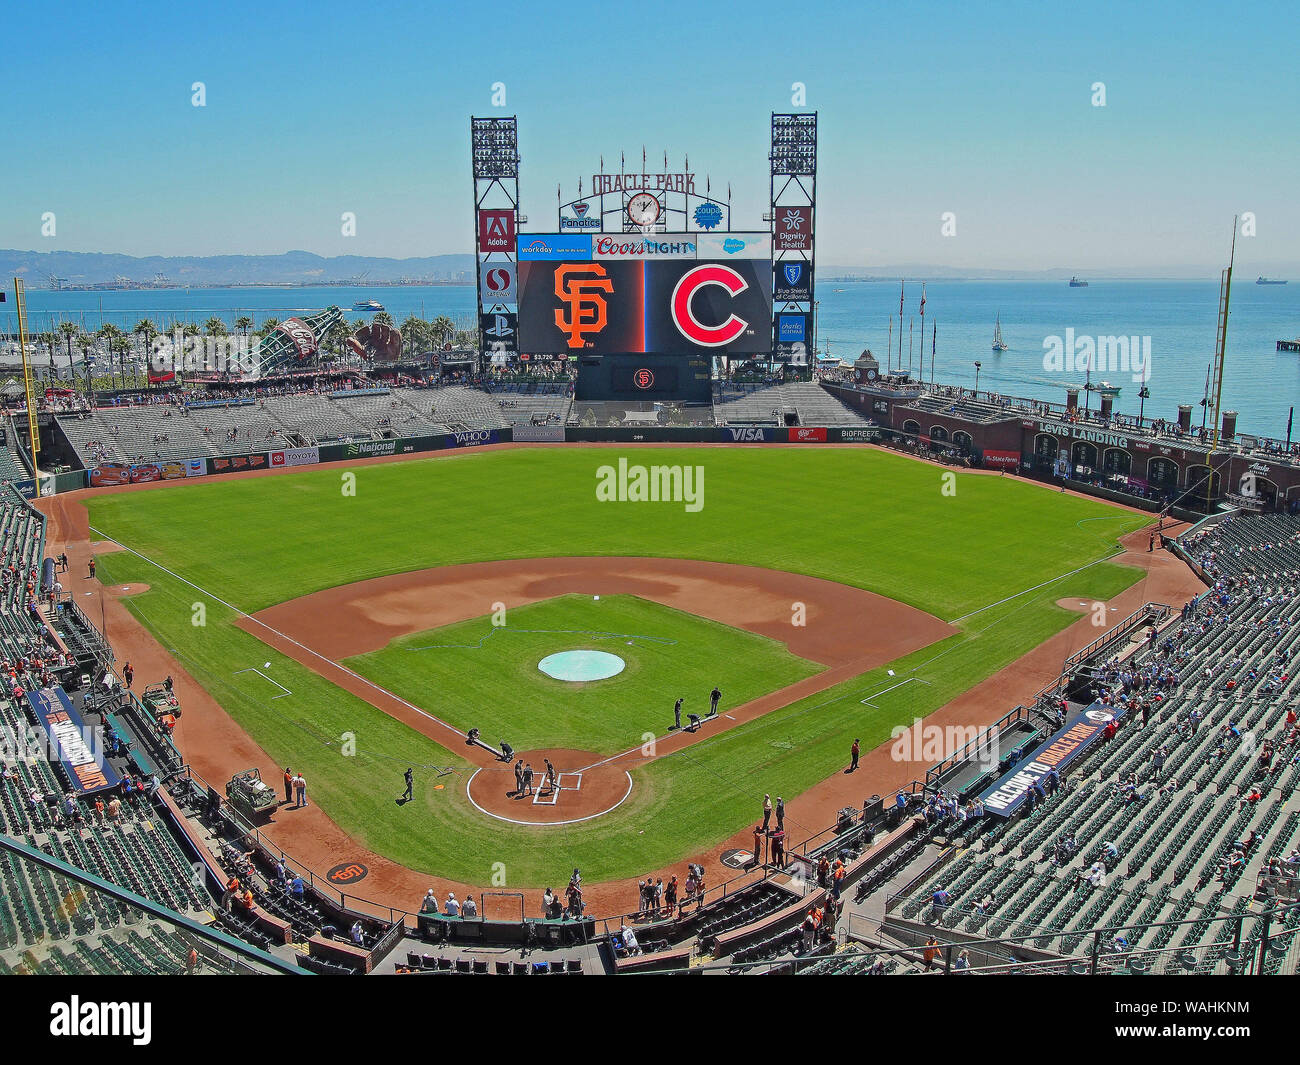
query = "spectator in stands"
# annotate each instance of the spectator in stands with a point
(429, 904)
(357, 935)
(628, 939)
(451, 907)
(470, 907)
(1095, 877)
(297, 888)
(942, 900)
(962, 963)
(931, 952)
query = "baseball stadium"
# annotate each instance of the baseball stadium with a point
(623, 633)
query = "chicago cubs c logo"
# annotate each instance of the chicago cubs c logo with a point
(707, 336)
(582, 286)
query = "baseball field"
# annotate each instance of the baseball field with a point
(354, 622)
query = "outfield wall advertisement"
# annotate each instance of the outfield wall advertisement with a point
(110, 474)
(539, 434)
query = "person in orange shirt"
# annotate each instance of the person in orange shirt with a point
(288, 784)
(931, 951)
(248, 899)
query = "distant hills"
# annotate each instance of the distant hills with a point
(78, 268)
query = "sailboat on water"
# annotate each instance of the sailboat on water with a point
(998, 343)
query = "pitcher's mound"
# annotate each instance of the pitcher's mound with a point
(586, 786)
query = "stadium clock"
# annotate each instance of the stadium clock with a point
(643, 209)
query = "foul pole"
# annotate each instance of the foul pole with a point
(20, 301)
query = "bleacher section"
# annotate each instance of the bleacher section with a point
(1195, 802)
(796, 403)
(13, 467)
(172, 433)
(534, 403)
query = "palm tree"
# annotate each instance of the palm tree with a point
(215, 328)
(268, 326)
(442, 329)
(86, 343)
(384, 317)
(413, 331)
(50, 341)
(108, 332)
(122, 347)
(68, 330)
(145, 328)
(188, 331)
(338, 335)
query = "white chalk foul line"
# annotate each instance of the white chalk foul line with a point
(284, 636)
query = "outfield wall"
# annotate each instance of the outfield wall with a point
(109, 474)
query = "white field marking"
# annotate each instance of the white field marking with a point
(544, 824)
(265, 677)
(289, 639)
(1044, 584)
(884, 691)
(554, 792)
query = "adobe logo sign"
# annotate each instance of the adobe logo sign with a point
(496, 230)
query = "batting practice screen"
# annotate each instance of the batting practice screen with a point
(664, 307)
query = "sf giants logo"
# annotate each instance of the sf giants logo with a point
(683, 311)
(582, 286)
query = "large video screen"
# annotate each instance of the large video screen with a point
(660, 306)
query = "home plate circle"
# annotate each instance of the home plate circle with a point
(579, 666)
(586, 786)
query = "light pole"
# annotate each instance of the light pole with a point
(977, 379)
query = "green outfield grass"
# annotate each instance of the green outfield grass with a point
(485, 677)
(862, 517)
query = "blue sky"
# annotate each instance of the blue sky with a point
(924, 108)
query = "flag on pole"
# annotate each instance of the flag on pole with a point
(901, 286)
(923, 300)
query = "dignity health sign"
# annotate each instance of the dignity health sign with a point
(1080, 732)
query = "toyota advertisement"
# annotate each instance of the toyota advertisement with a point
(664, 306)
